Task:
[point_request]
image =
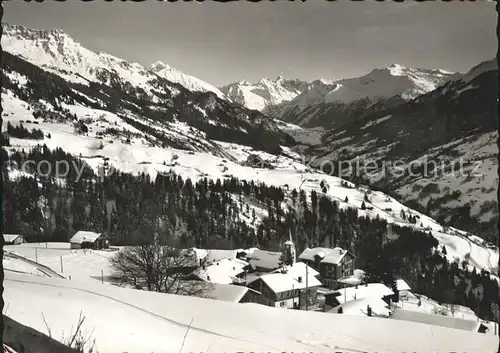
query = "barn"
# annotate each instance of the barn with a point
(13, 239)
(89, 240)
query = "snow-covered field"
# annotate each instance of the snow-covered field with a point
(83, 265)
(430, 306)
(125, 320)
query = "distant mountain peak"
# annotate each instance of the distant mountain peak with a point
(244, 82)
(265, 93)
(190, 82)
(159, 65)
(396, 66)
(386, 83)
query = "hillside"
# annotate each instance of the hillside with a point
(433, 135)
(190, 82)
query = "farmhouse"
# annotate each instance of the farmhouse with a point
(225, 271)
(89, 240)
(13, 239)
(332, 264)
(294, 287)
(379, 308)
(372, 291)
(256, 161)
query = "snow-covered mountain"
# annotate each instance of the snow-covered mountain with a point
(190, 82)
(453, 128)
(388, 82)
(103, 82)
(142, 122)
(265, 93)
(57, 51)
(345, 98)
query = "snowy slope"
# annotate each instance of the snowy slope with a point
(90, 265)
(264, 93)
(123, 320)
(451, 126)
(190, 82)
(388, 82)
(324, 101)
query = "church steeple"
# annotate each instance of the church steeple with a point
(290, 249)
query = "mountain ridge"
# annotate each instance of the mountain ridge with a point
(352, 96)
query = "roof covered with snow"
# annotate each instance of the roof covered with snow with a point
(402, 285)
(84, 236)
(264, 259)
(217, 254)
(359, 307)
(370, 290)
(193, 256)
(9, 238)
(350, 281)
(226, 292)
(250, 251)
(293, 278)
(436, 320)
(329, 256)
(299, 268)
(222, 272)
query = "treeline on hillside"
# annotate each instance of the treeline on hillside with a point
(459, 217)
(19, 131)
(216, 214)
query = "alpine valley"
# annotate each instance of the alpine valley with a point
(238, 166)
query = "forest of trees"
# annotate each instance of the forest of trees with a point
(211, 214)
(21, 132)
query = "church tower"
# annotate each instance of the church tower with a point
(290, 249)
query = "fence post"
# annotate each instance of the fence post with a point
(36, 255)
(62, 269)
(102, 276)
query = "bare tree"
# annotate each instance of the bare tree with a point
(452, 308)
(156, 266)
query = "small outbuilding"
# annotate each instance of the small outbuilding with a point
(13, 239)
(89, 240)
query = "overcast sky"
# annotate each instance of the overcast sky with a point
(222, 43)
